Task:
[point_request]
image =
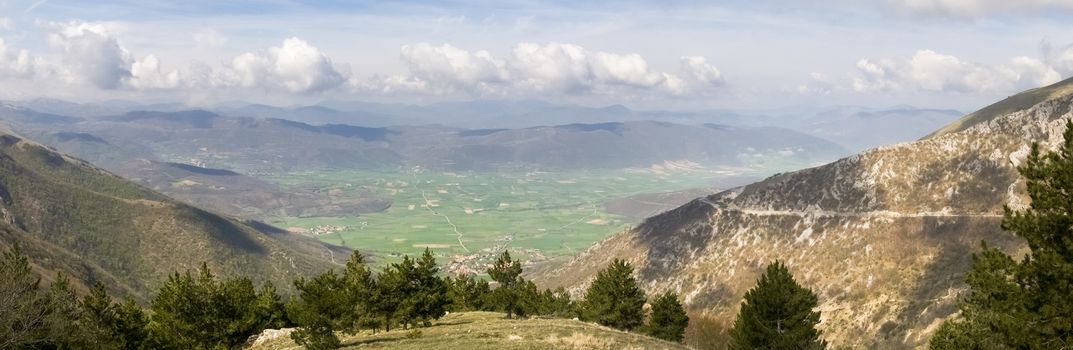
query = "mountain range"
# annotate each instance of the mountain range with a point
(883, 237)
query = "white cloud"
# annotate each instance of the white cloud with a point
(1061, 59)
(146, 74)
(6, 24)
(90, 54)
(629, 69)
(928, 70)
(555, 66)
(16, 64)
(294, 66)
(449, 67)
(977, 8)
(552, 68)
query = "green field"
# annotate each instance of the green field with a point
(469, 216)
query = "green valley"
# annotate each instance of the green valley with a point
(470, 216)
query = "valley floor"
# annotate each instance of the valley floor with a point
(490, 330)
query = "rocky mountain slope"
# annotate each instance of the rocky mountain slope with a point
(71, 217)
(883, 237)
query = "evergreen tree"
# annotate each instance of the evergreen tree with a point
(31, 317)
(1025, 304)
(614, 299)
(360, 286)
(406, 291)
(431, 295)
(529, 299)
(199, 312)
(668, 320)
(777, 314)
(557, 303)
(385, 299)
(97, 324)
(507, 272)
(131, 324)
(318, 311)
(467, 293)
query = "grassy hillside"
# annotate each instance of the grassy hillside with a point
(94, 226)
(489, 330)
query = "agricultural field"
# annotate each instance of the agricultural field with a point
(467, 218)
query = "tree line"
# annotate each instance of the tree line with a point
(198, 310)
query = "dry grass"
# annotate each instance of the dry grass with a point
(489, 330)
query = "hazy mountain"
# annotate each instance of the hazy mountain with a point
(219, 190)
(74, 218)
(859, 128)
(883, 237)
(254, 145)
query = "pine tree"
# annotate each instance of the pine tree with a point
(557, 303)
(614, 299)
(201, 312)
(318, 311)
(31, 317)
(431, 291)
(1025, 304)
(385, 299)
(777, 314)
(97, 324)
(131, 324)
(406, 291)
(467, 293)
(507, 272)
(360, 286)
(668, 320)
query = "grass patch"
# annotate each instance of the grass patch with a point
(489, 330)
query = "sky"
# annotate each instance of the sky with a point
(675, 55)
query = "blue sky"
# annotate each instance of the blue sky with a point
(643, 54)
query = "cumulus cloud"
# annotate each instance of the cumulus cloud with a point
(976, 8)
(928, 70)
(294, 66)
(147, 74)
(16, 64)
(450, 67)
(90, 53)
(555, 68)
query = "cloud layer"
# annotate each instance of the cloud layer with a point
(552, 68)
(89, 53)
(977, 8)
(927, 70)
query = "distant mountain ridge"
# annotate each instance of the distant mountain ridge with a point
(883, 237)
(854, 127)
(273, 145)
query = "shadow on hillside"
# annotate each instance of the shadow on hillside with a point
(370, 341)
(224, 231)
(672, 235)
(957, 240)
